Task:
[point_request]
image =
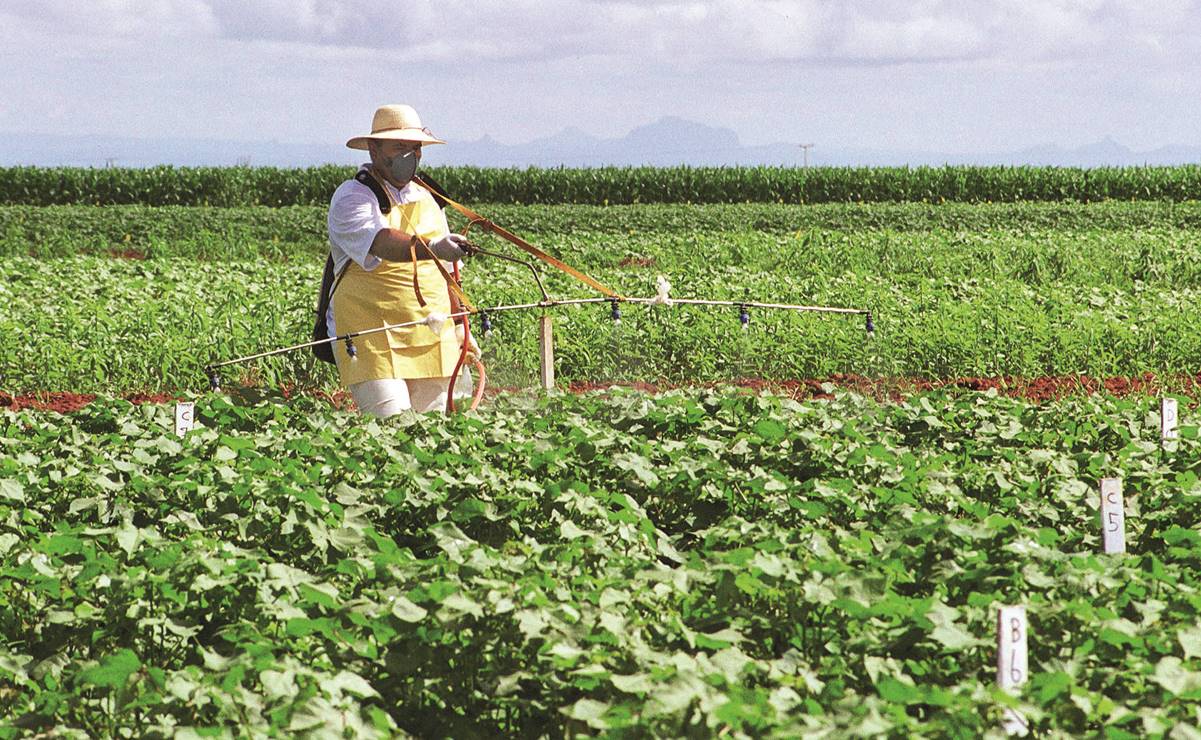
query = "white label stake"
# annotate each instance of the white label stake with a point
(1168, 418)
(1113, 516)
(185, 417)
(1012, 662)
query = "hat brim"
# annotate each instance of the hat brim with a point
(401, 134)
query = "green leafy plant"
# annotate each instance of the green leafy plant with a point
(269, 186)
(698, 562)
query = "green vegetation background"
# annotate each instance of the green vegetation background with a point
(699, 563)
(957, 290)
(243, 186)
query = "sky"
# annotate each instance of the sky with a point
(966, 76)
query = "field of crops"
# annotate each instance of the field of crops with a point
(703, 561)
(674, 565)
(268, 186)
(1012, 290)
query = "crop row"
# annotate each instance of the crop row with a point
(695, 563)
(1150, 254)
(93, 324)
(249, 232)
(244, 186)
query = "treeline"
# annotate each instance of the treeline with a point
(275, 187)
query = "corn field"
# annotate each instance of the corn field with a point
(268, 186)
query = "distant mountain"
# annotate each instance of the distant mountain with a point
(1107, 152)
(111, 151)
(665, 142)
(674, 141)
(668, 141)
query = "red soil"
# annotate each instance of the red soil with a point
(60, 402)
(65, 402)
(1041, 389)
(127, 254)
(1046, 388)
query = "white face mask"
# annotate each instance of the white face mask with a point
(402, 168)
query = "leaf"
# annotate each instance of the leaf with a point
(168, 445)
(639, 466)
(731, 662)
(589, 711)
(784, 698)
(1184, 731)
(11, 490)
(351, 683)
(346, 538)
(510, 683)
(873, 725)
(637, 683)
(284, 576)
(673, 696)
(323, 594)
(127, 537)
(113, 671)
(1190, 640)
(14, 664)
(346, 494)
(302, 627)
(314, 713)
(569, 531)
(279, 684)
(1051, 685)
(461, 603)
(1171, 674)
(719, 639)
(953, 637)
(898, 692)
(770, 430)
(407, 611)
(452, 539)
(569, 653)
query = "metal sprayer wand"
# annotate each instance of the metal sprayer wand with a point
(211, 369)
(474, 250)
(547, 302)
(485, 312)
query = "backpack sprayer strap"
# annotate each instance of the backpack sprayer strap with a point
(474, 218)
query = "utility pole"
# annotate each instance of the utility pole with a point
(806, 148)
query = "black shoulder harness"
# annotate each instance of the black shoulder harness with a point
(381, 196)
(435, 190)
(385, 205)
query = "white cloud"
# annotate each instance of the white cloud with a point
(121, 18)
(665, 31)
(916, 71)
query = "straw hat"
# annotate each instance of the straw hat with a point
(399, 122)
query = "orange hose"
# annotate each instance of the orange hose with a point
(450, 391)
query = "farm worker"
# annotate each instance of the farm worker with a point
(384, 258)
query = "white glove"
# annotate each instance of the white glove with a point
(449, 248)
(473, 349)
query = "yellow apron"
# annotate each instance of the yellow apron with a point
(386, 295)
